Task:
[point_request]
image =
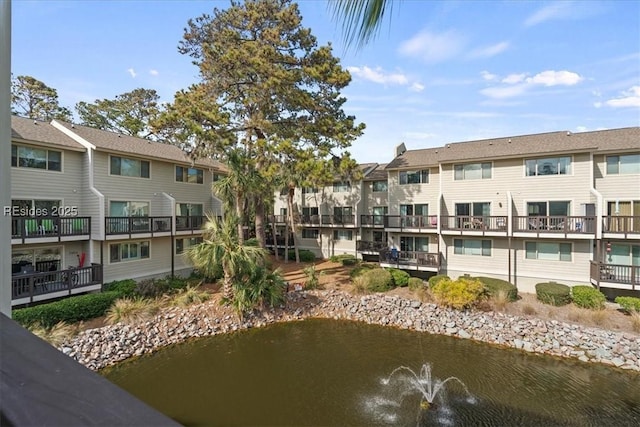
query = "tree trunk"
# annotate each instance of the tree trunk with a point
(260, 233)
(227, 288)
(292, 222)
(286, 241)
(274, 235)
(240, 215)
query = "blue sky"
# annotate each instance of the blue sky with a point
(438, 72)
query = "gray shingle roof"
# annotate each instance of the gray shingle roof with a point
(124, 144)
(379, 173)
(41, 132)
(624, 139)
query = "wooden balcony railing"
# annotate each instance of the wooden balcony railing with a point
(309, 219)
(366, 246)
(137, 224)
(190, 223)
(33, 283)
(428, 222)
(624, 225)
(555, 224)
(56, 226)
(372, 220)
(410, 258)
(337, 219)
(475, 222)
(278, 219)
(616, 273)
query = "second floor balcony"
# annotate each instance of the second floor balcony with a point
(555, 224)
(372, 221)
(45, 229)
(128, 225)
(368, 246)
(410, 260)
(414, 223)
(338, 220)
(191, 223)
(621, 226)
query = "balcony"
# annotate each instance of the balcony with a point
(308, 219)
(410, 260)
(556, 225)
(495, 225)
(278, 219)
(338, 220)
(413, 223)
(372, 221)
(621, 226)
(138, 225)
(365, 246)
(48, 229)
(615, 276)
(189, 224)
(31, 285)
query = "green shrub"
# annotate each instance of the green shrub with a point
(588, 297)
(305, 255)
(415, 283)
(339, 258)
(629, 304)
(376, 280)
(496, 286)
(313, 277)
(462, 293)
(125, 288)
(177, 282)
(553, 293)
(361, 268)
(349, 261)
(69, 310)
(434, 280)
(151, 288)
(399, 278)
(251, 242)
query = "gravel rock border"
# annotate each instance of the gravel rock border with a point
(99, 348)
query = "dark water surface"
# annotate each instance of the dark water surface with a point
(325, 372)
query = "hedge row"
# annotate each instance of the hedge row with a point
(553, 293)
(495, 286)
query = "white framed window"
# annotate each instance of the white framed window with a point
(341, 186)
(342, 235)
(128, 208)
(472, 247)
(411, 243)
(36, 158)
(379, 186)
(37, 259)
(472, 171)
(123, 166)
(182, 245)
(129, 251)
(549, 251)
(623, 165)
(414, 177)
(190, 175)
(309, 190)
(624, 254)
(548, 166)
(310, 233)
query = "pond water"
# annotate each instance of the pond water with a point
(337, 373)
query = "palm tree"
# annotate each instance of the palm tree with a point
(361, 19)
(222, 247)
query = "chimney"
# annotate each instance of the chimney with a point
(400, 149)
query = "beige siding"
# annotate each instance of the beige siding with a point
(371, 199)
(615, 187)
(411, 194)
(158, 263)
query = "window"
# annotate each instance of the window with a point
(472, 171)
(284, 191)
(31, 207)
(378, 214)
(217, 177)
(379, 186)
(548, 251)
(414, 177)
(190, 175)
(548, 166)
(623, 254)
(472, 247)
(182, 245)
(189, 209)
(622, 165)
(129, 167)
(310, 233)
(129, 251)
(40, 259)
(343, 214)
(36, 158)
(417, 210)
(559, 208)
(309, 190)
(341, 187)
(128, 208)
(342, 235)
(410, 244)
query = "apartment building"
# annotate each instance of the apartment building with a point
(556, 206)
(90, 206)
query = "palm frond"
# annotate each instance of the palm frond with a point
(361, 19)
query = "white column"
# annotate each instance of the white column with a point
(5, 156)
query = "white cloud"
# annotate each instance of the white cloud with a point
(556, 10)
(514, 78)
(431, 47)
(378, 75)
(489, 51)
(629, 98)
(504, 92)
(418, 135)
(555, 78)
(488, 76)
(416, 87)
(132, 72)
(154, 72)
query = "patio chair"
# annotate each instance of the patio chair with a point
(47, 226)
(31, 226)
